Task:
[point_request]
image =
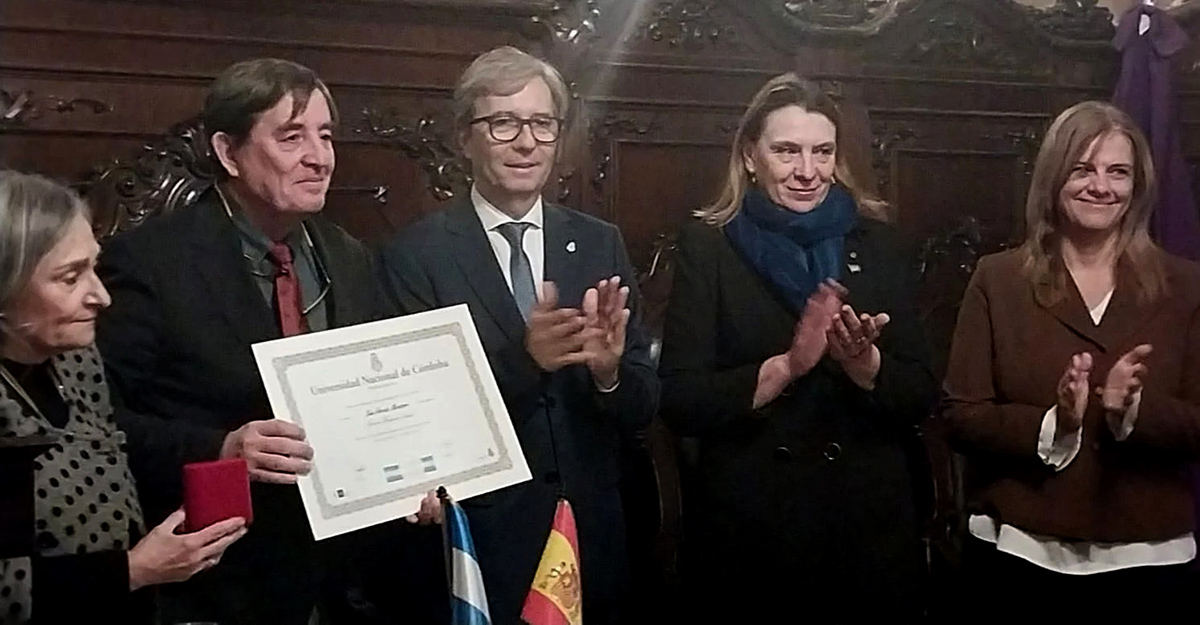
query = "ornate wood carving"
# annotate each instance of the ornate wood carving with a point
(573, 23)
(614, 126)
(861, 16)
(1027, 141)
(626, 124)
(426, 141)
(565, 181)
(654, 279)
(1067, 20)
(885, 138)
(169, 173)
(955, 36)
(21, 108)
(688, 24)
(956, 248)
(1081, 20)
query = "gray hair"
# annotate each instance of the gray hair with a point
(34, 215)
(243, 91)
(505, 71)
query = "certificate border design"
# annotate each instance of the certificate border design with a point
(331, 510)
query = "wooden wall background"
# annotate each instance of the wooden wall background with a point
(957, 92)
(951, 97)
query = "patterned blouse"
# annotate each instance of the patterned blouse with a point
(86, 506)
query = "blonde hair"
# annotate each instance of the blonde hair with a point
(1067, 141)
(504, 71)
(780, 92)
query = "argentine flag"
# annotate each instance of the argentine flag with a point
(468, 601)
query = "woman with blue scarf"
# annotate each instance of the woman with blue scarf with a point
(793, 353)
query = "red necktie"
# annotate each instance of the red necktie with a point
(287, 292)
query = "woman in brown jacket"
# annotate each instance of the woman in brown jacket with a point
(1073, 390)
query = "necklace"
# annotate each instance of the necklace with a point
(322, 274)
(20, 390)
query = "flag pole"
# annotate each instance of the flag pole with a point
(447, 552)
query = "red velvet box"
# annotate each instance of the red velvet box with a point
(215, 491)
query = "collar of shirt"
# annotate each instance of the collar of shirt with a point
(257, 245)
(533, 244)
(491, 217)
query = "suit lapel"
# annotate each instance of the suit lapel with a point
(342, 309)
(563, 251)
(1125, 313)
(217, 256)
(472, 252)
(1072, 312)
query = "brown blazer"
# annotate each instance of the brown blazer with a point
(1007, 357)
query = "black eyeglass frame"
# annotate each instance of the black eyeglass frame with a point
(524, 121)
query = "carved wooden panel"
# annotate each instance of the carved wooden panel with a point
(84, 82)
(689, 175)
(660, 85)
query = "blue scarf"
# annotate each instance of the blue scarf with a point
(794, 252)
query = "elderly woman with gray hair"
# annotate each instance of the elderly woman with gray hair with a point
(92, 555)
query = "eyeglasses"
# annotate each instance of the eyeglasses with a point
(506, 128)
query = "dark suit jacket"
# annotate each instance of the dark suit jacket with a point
(1010, 352)
(570, 433)
(176, 343)
(816, 481)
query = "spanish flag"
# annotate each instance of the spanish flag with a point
(556, 597)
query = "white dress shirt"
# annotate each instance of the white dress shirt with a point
(534, 241)
(1079, 557)
(534, 244)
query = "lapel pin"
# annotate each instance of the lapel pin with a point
(571, 247)
(854, 267)
(853, 255)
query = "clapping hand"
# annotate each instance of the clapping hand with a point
(606, 318)
(852, 344)
(1073, 394)
(594, 336)
(1125, 379)
(810, 339)
(852, 336)
(555, 336)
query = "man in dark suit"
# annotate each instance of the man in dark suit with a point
(573, 365)
(251, 260)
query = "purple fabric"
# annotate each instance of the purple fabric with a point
(1144, 90)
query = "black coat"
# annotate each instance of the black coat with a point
(570, 433)
(176, 344)
(811, 495)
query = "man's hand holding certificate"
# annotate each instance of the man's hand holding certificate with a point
(392, 410)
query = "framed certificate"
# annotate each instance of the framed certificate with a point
(392, 409)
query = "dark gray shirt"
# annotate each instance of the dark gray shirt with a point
(256, 248)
